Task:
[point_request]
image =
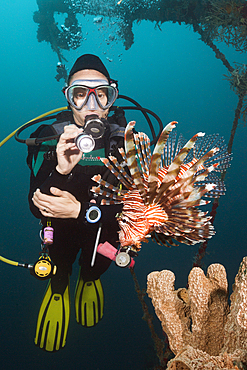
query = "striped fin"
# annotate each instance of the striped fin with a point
(143, 145)
(174, 168)
(162, 239)
(116, 173)
(148, 148)
(97, 190)
(171, 148)
(190, 174)
(200, 176)
(196, 236)
(141, 151)
(156, 161)
(161, 174)
(218, 191)
(203, 174)
(184, 168)
(106, 202)
(192, 224)
(183, 194)
(222, 157)
(205, 144)
(121, 169)
(105, 184)
(200, 163)
(131, 159)
(138, 152)
(171, 141)
(180, 145)
(195, 196)
(122, 152)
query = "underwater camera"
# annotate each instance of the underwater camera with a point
(94, 129)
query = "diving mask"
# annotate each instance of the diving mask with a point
(92, 94)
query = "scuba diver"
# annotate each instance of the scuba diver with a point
(60, 183)
(61, 72)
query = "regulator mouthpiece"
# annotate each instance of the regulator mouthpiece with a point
(94, 129)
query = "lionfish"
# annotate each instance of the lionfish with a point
(161, 195)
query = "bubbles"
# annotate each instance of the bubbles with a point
(98, 19)
(111, 37)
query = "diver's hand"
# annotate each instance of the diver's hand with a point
(68, 155)
(62, 205)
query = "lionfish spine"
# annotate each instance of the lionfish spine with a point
(97, 190)
(122, 152)
(180, 144)
(106, 202)
(200, 163)
(185, 167)
(204, 145)
(103, 183)
(131, 160)
(116, 173)
(174, 167)
(148, 149)
(145, 145)
(195, 196)
(189, 224)
(197, 165)
(156, 161)
(171, 147)
(141, 151)
(202, 175)
(223, 158)
(121, 169)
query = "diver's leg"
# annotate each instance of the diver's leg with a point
(89, 297)
(54, 314)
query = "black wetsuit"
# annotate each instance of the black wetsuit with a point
(71, 235)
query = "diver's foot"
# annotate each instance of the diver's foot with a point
(89, 302)
(53, 318)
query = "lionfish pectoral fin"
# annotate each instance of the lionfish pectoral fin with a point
(175, 166)
(116, 173)
(96, 178)
(121, 169)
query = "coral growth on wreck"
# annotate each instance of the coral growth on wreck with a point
(238, 83)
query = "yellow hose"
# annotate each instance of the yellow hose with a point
(8, 261)
(3, 259)
(41, 116)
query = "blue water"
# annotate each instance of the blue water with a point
(170, 72)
